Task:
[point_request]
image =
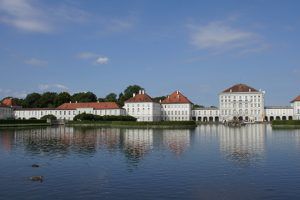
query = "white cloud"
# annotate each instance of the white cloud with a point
(36, 62)
(33, 16)
(23, 15)
(221, 36)
(102, 60)
(96, 58)
(44, 87)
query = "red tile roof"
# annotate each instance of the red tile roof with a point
(240, 88)
(20, 108)
(8, 102)
(176, 97)
(296, 99)
(94, 105)
(141, 97)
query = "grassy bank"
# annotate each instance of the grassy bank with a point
(288, 124)
(22, 123)
(131, 124)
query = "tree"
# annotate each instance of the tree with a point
(84, 97)
(47, 100)
(51, 117)
(111, 97)
(32, 100)
(197, 106)
(128, 92)
(61, 98)
(19, 102)
(157, 99)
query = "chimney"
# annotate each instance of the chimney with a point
(230, 90)
(140, 91)
(177, 92)
(168, 97)
(133, 95)
(143, 91)
(70, 101)
(249, 90)
(76, 102)
(160, 101)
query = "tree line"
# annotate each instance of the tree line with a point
(54, 99)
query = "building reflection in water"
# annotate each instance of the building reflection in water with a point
(244, 146)
(61, 140)
(136, 143)
(177, 140)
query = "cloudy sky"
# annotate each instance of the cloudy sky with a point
(198, 47)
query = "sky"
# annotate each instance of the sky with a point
(197, 47)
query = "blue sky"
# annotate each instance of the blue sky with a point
(198, 47)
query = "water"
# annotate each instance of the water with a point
(209, 162)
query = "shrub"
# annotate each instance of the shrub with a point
(91, 117)
(51, 117)
(286, 122)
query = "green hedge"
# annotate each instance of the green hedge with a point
(51, 117)
(286, 122)
(21, 121)
(134, 123)
(91, 117)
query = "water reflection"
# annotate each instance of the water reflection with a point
(243, 146)
(137, 143)
(134, 143)
(177, 140)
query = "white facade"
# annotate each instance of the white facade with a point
(206, 114)
(143, 111)
(176, 107)
(64, 114)
(279, 113)
(142, 107)
(296, 110)
(6, 112)
(248, 106)
(176, 112)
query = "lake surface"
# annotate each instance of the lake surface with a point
(209, 162)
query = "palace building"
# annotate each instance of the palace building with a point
(176, 107)
(143, 107)
(239, 102)
(6, 112)
(296, 107)
(242, 102)
(68, 111)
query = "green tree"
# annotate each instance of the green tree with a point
(157, 99)
(61, 98)
(128, 92)
(84, 97)
(19, 102)
(111, 97)
(32, 100)
(47, 100)
(197, 106)
(51, 117)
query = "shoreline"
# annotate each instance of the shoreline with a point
(23, 125)
(131, 124)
